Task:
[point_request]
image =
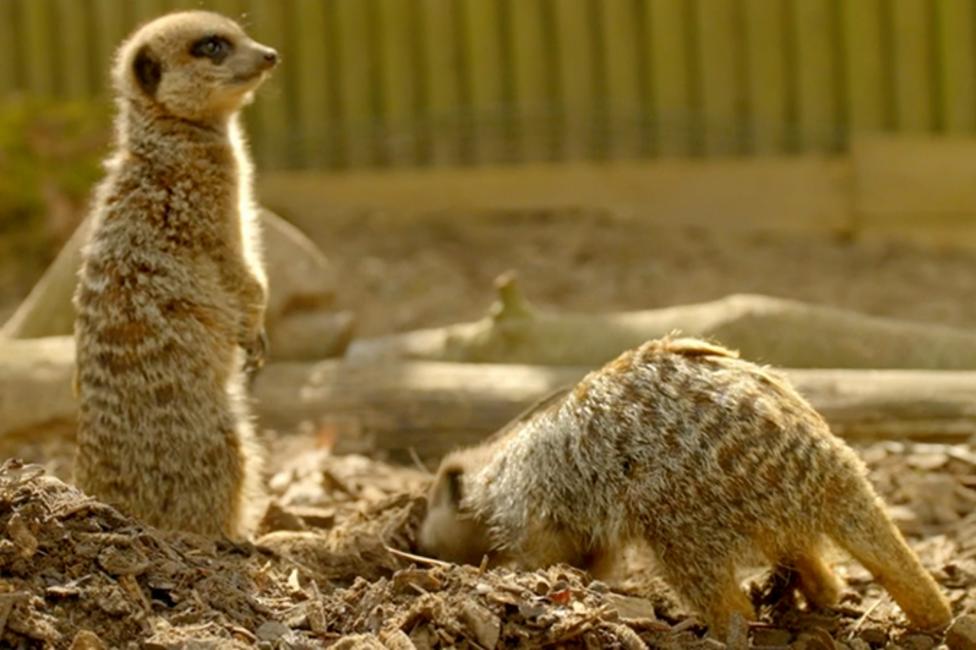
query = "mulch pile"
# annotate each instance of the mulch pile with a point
(331, 567)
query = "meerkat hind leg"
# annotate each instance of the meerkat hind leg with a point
(710, 587)
(818, 584)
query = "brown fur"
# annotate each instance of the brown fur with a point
(700, 454)
(171, 295)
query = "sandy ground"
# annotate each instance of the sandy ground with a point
(439, 269)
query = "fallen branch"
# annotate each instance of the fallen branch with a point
(435, 406)
(785, 333)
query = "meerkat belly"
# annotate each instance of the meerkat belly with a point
(150, 358)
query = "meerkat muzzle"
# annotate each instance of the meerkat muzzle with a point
(270, 57)
(257, 61)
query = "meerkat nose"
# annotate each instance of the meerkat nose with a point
(270, 57)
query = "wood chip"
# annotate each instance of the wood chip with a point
(961, 635)
(484, 626)
(86, 640)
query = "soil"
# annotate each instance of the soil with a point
(331, 564)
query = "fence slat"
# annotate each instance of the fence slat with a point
(146, 10)
(441, 82)
(235, 9)
(269, 120)
(74, 52)
(110, 29)
(575, 78)
(671, 73)
(913, 65)
(765, 43)
(815, 54)
(8, 71)
(868, 106)
(396, 18)
(957, 69)
(439, 69)
(719, 82)
(486, 112)
(310, 84)
(38, 52)
(532, 106)
(623, 85)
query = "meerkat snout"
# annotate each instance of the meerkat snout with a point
(448, 531)
(194, 65)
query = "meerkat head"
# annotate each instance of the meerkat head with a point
(194, 65)
(449, 531)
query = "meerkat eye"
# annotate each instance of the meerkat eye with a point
(214, 48)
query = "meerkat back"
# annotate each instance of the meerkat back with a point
(171, 294)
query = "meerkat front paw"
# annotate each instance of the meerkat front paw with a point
(256, 352)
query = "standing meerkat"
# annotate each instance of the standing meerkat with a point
(171, 295)
(704, 456)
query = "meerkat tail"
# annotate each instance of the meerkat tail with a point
(866, 532)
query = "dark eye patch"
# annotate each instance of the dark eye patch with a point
(215, 48)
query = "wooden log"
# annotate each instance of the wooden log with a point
(302, 290)
(781, 332)
(431, 407)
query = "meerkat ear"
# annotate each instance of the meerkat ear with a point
(148, 70)
(452, 481)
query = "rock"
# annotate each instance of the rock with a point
(961, 635)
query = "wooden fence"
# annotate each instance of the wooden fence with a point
(382, 83)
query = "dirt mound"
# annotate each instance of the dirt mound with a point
(332, 567)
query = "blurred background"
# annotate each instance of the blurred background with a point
(618, 153)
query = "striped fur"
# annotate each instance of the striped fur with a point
(704, 456)
(171, 294)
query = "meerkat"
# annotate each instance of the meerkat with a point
(705, 457)
(172, 290)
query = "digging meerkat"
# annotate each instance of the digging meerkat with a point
(702, 455)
